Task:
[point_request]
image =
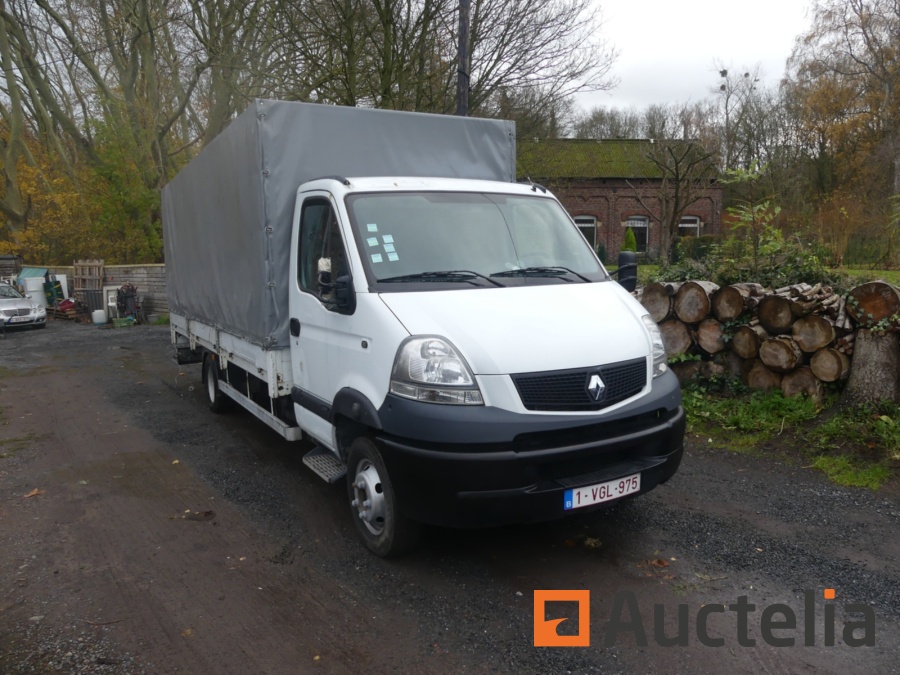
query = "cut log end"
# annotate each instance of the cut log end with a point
(803, 381)
(759, 376)
(692, 302)
(781, 353)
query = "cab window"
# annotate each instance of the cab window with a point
(322, 257)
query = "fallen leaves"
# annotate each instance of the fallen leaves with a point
(659, 562)
(34, 493)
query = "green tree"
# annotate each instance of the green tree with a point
(630, 243)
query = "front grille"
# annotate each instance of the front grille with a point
(568, 389)
(15, 312)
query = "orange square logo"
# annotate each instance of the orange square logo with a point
(545, 634)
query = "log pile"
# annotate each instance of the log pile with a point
(798, 338)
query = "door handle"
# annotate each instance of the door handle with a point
(295, 327)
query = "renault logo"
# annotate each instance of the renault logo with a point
(596, 387)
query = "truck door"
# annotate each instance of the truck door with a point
(321, 330)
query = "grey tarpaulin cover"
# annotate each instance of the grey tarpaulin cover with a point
(227, 215)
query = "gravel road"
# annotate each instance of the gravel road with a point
(140, 533)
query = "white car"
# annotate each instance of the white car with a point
(20, 310)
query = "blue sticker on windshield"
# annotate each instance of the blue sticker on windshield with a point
(376, 258)
(389, 248)
(393, 257)
(372, 241)
(372, 227)
(388, 239)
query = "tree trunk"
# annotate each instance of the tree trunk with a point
(780, 353)
(775, 314)
(746, 340)
(676, 337)
(802, 381)
(657, 301)
(813, 332)
(875, 373)
(709, 336)
(758, 376)
(830, 365)
(870, 303)
(728, 302)
(692, 301)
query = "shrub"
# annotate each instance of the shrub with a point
(630, 243)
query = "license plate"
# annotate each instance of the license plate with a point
(19, 319)
(602, 492)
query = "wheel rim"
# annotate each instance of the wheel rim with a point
(368, 497)
(210, 382)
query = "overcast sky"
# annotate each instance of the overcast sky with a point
(667, 48)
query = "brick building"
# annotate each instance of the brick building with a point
(610, 185)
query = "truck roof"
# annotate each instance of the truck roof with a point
(417, 183)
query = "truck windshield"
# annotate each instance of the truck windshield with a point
(469, 238)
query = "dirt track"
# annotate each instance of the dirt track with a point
(166, 539)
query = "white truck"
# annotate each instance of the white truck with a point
(378, 282)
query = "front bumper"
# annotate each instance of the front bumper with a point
(478, 466)
(31, 320)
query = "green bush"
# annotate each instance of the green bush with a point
(630, 243)
(601, 252)
(779, 263)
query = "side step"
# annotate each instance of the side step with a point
(323, 462)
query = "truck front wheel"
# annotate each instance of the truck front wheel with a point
(218, 402)
(385, 531)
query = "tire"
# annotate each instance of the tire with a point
(218, 402)
(386, 532)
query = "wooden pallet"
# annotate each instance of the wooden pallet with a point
(57, 313)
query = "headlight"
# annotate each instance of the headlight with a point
(430, 369)
(659, 349)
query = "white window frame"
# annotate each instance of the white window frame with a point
(585, 223)
(689, 222)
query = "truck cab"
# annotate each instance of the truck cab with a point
(377, 281)
(459, 348)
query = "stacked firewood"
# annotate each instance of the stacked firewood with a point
(797, 337)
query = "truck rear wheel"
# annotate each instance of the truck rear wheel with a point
(385, 531)
(218, 402)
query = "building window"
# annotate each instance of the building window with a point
(588, 227)
(689, 226)
(640, 226)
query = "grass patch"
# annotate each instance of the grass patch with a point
(891, 276)
(161, 320)
(645, 272)
(845, 470)
(853, 447)
(742, 421)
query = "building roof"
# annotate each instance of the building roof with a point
(577, 158)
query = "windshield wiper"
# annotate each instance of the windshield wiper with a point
(451, 275)
(554, 271)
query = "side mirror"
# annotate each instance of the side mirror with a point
(627, 271)
(345, 298)
(337, 294)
